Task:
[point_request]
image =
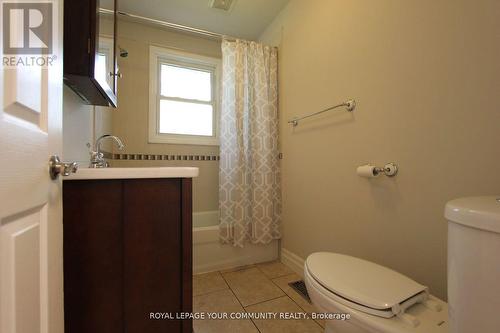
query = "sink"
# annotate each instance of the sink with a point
(133, 173)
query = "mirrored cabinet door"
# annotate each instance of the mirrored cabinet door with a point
(90, 66)
(105, 66)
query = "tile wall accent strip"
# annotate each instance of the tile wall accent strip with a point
(156, 157)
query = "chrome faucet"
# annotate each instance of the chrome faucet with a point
(97, 157)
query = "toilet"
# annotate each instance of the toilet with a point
(377, 298)
(380, 300)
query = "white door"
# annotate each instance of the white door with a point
(31, 276)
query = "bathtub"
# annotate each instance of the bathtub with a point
(210, 255)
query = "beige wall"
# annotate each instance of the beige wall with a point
(425, 75)
(77, 127)
(130, 120)
(81, 124)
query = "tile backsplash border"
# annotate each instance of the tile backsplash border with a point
(162, 157)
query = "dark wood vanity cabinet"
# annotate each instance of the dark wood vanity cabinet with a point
(90, 63)
(127, 254)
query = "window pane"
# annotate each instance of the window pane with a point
(185, 118)
(186, 83)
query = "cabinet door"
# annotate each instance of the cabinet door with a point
(93, 257)
(90, 51)
(152, 254)
(104, 59)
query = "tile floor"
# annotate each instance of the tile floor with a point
(261, 288)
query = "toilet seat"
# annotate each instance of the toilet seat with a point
(365, 286)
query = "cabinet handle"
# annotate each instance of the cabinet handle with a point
(118, 75)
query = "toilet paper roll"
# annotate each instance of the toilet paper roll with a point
(367, 171)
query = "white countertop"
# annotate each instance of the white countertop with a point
(133, 173)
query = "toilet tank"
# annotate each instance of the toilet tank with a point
(474, 264)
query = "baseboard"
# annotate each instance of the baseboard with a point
(293, 261)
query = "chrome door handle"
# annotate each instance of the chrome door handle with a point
(56, 167)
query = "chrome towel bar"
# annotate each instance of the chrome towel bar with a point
(350, 106)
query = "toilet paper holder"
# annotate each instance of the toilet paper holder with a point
(370, 171)
(390, 170)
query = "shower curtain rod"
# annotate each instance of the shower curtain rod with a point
(170, 25)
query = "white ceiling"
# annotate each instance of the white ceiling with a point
(247, 18)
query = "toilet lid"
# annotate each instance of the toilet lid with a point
(361, 281)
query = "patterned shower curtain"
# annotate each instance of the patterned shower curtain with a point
(249, 185)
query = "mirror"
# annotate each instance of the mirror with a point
(105, 62)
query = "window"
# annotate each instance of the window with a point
(183, 98)
(104, 62)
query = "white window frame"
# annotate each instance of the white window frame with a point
(159, 56)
